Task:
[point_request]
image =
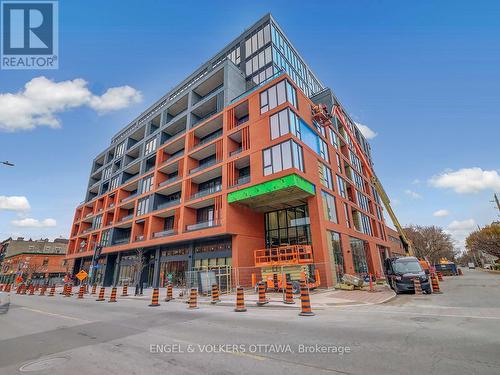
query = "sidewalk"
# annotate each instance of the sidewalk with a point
(319, 298)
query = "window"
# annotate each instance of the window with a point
(342, 187)
(333, 138)
(323, 150)
(336, 254)
(150, 146)
(257, 40)
(205, 214)
(358, 181)
(107, 173)
(288, 227)
(359, 256)
(258, 61)
(120, 149)
(325, 176)
(277, 95)
(147, 184)
(363, 201)
(143, 206)
(347, 218)
(283, 156)
(114, 182)
(97, 222)
(284, 122)
(356, 163)
(329, 207)
(105, 238)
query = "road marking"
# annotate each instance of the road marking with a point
(54, 314)
(427, 314)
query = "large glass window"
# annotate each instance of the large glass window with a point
(329, 207)
(105, 238)
(120, 149)
(325, 176)
(257, 40)
(147, 184)
(284, 122)
(277, 95)
(336, 254)
(342, 187)
(205, 214)
(359, 256)
(288, 227)
(143, 205)
(283, 156)
(150, 146)
(258, 61)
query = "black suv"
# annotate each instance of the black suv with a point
(401, 272)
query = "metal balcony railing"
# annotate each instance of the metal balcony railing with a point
(209, 138)
(203, 166)
(128, 217)
(204, 224)
(205, 192)
(164, 233)
(236, 152)
(168, 181)
(132, 196)
(242, 180)
(121, 241)
(175, 156)
(171, 203)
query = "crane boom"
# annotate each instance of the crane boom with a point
(324, 118)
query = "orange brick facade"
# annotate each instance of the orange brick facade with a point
(238, 144)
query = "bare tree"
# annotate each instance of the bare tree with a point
(138, 266)
(486, 239)
(431, 242)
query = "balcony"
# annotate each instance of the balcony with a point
(178, 154)
(236, 152)
(126, 218)
(209, 138)
(203, 166)
(164, 233)
(205, 192)
(242, 180)
(203, 225)
(171, 203)
(132, 196)
(169, 181)
(121, 241)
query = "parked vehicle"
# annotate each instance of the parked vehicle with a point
(471, 266)
(4, 302)
(402, 271)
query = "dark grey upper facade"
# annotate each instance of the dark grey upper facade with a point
(254, 57)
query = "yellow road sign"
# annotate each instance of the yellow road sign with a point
(81, 275)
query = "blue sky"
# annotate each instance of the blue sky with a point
(422, 75)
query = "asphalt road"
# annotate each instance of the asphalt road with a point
(457, 332)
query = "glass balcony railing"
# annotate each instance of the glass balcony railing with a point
(205, 192)
(128, 217)
(168, 181)
(203, 166)
(164, 233)
(175, 156)
(242, 180)
(121, 241)
(209, 138)
(130, 197)
(171, 203)
(236, 152)
(203, 225)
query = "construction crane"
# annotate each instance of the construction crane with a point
(496, 201)
(321, 115)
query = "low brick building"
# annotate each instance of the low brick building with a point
(37, 260)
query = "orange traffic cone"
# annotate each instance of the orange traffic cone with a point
(94, 288)
(193, 299)
(112, 298)
(81, 291)
(155, 297)
(440, 276)
(170, 292)
(215, 294)
(435, 285)
(52, 292)
(305, 302)
(289, 294)
(125, 290)
(417, 286)
(32, 290)
(240, 300)
(101, 294)
(262, 295)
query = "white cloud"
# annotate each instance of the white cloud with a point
(34, 223)
(366, 131)
(41, 99)
(467, 180)
(459, 230)
(416, 182)
(14, 203)
(412, 194)
(441, 213)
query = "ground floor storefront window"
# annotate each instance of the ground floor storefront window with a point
(358, 250)
(173, 272)
(288, 227)
(336, 255)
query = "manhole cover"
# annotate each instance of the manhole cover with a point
(42, 364)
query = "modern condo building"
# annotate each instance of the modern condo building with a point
(230, 169)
